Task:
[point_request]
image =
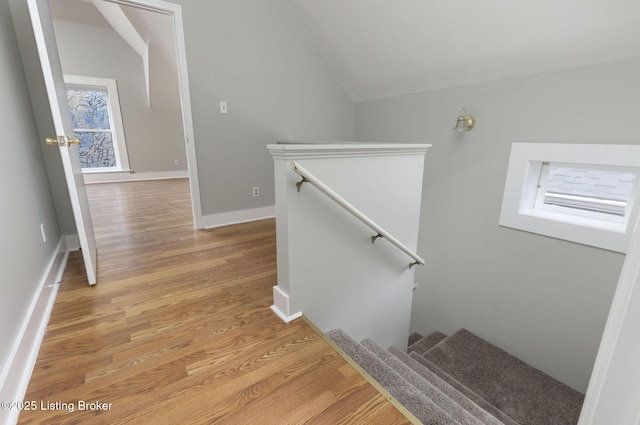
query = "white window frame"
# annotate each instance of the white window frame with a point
(81, 82)
(521, 190)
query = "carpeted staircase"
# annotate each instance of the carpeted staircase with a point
(462, 379)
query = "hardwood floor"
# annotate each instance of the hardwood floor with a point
(178, 329)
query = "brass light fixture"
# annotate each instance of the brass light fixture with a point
(465, 122)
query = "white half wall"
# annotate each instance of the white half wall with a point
(328, 268)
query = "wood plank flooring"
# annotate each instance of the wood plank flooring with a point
(178, 329)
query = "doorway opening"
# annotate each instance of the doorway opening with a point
(138, 44)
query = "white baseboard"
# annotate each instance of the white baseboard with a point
(281, 306)
(235, 217)
(13, 385)
(125, 176)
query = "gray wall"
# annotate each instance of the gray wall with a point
(254, 55)
(154, 137)
(25, 195)
(543, 299)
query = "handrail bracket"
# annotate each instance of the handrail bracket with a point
(373, 238)
(299, 184)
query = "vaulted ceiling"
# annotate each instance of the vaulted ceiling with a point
(383, 48)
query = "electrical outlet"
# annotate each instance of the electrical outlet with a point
(256, 191)
(177, 162)
(44, 234)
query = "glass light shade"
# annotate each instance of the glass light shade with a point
(465, 122)
(460, 124)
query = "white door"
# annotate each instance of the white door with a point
(38, 11)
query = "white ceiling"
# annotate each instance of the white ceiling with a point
(384, 48)
(77, 11)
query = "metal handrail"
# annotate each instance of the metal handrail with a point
(308, 177)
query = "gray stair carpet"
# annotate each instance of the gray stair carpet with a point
(414, 337)
(418, 404)
(466, 398)
(424, 344)
(450, 405)
(524, 393)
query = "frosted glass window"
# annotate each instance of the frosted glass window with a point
(94, 107)
(89, 109)
(90, 115)
(586, 189)
(96, 150)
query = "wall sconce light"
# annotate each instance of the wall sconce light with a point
(465, 122)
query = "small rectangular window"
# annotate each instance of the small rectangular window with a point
(598, 192)
(583, 193)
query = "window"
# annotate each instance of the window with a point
(95, 112)
(603, 193)
(580, 193)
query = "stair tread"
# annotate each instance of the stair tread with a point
(426, 343)
(470, 401)
(432, 390)
(523, 392)
(471, 395)
(418, 404)
(414, 337)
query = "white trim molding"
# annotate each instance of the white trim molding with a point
(322, 150)
(236, 217)
(614, 389)
(17, 372)
(281, 306)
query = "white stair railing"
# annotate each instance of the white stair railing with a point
(308, 177)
